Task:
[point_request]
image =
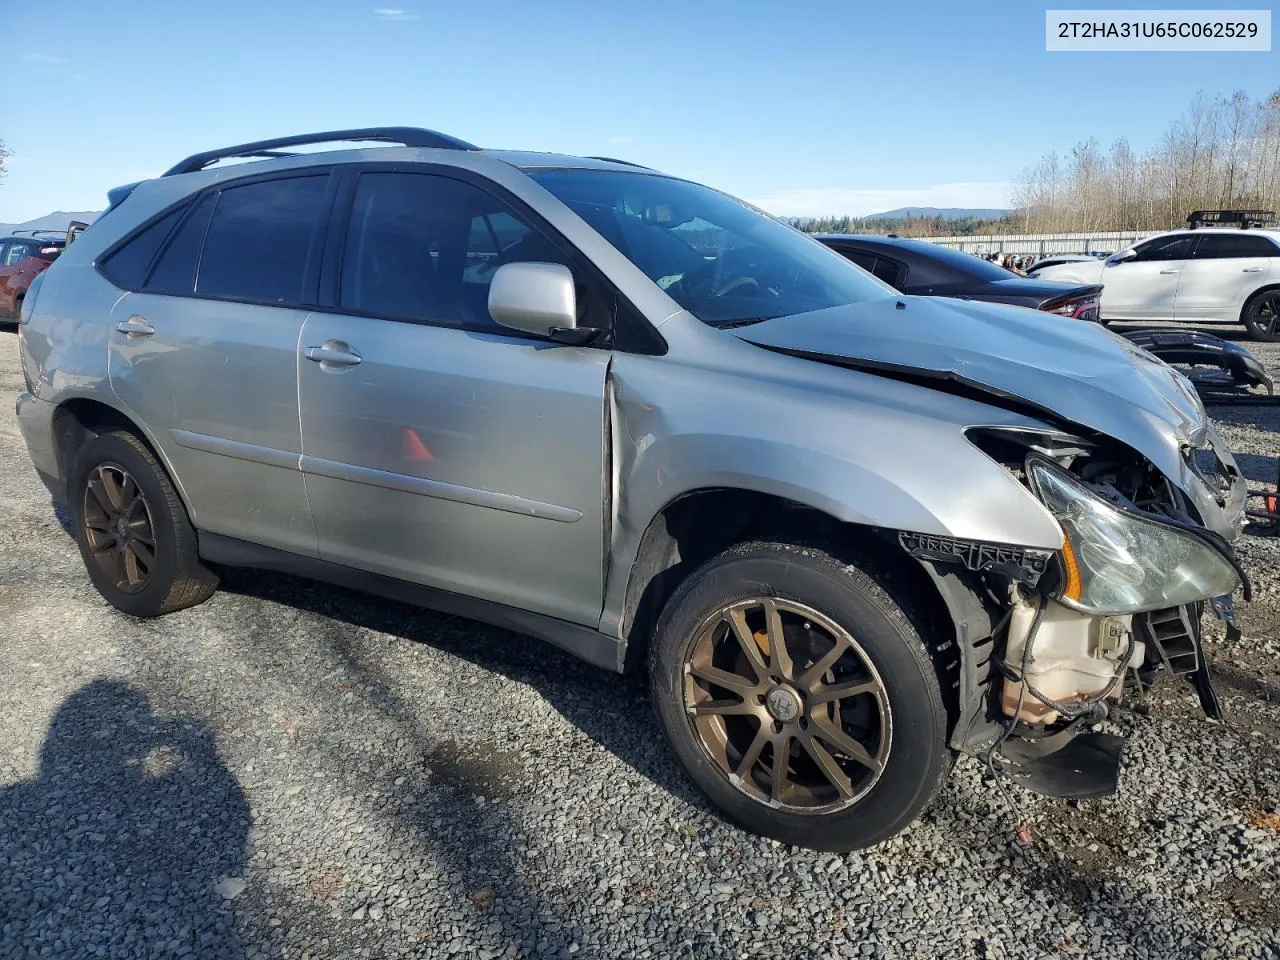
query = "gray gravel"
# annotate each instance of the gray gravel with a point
(294, 770)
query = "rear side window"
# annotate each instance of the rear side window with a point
(890, 271)
(1222, 246)
(14, 255)
(175, 271)
(867, 261)
(127, 267)
(261, 238)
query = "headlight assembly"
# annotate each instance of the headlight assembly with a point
(1117, 562)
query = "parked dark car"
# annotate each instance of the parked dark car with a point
(920, 268)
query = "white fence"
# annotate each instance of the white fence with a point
(1043, 244)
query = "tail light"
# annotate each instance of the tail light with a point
(1082, 308)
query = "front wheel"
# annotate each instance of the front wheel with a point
(1262, 316)
(800, 697)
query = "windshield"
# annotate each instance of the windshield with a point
(721, 260)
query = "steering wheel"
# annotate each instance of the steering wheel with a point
(727, 288)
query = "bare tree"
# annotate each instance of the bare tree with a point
(1222, 152)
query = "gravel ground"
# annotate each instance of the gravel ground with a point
(292, 770)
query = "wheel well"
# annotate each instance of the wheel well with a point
(1268, 288)
(78, 420)
(700, 525)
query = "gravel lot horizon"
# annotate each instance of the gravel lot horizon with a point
(295, 770)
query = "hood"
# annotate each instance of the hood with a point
(1061, 370)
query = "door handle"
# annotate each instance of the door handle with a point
(1251, 270)
(1168, 271)
(332, 354)
(136, 327)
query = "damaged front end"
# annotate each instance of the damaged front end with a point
(1054, 641)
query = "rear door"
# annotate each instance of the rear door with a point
(1225, 269)
(439, 447)
(1146, 287)
(204, 351)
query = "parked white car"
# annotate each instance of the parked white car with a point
(1205, 276)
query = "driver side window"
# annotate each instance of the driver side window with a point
(425, 248)
(1164, 248)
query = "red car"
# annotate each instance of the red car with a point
(22, 258)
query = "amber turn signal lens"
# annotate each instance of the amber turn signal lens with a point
(1073, 586)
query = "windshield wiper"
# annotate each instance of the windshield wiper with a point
(728, 324)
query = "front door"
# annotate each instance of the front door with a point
(1227, 266)
(439, 447)
(205, 353)
(1145, 287)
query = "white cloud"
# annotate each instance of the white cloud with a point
(394, 14)
(621, 141)
(841, 201)
(45, 58)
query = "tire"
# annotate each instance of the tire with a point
(1261, 316)
(155, 569)
(813, 592)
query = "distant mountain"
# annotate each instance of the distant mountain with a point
(56, 221)
(946, 213)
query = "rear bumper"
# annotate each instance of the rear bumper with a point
(35, 420)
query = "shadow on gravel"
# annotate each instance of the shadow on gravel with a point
(114, 849)
(612, 710)
(62, 513)
(458, 814)
(1258, 470)
(1247, 682)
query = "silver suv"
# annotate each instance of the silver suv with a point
(846, 532)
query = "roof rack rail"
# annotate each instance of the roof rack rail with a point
(405, 136)
(1246, 218)
(625, 163)
(32, 233)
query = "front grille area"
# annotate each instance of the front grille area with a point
(1172, 632)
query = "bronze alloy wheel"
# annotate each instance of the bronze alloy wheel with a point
(787, 705)
(118, 527)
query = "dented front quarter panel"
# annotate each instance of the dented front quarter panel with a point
(1076, 372)
(716, 412)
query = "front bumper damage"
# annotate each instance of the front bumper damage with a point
(1036, 677)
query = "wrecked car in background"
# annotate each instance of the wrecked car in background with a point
(845, 531)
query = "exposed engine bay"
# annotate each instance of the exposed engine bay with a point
(1077, 634)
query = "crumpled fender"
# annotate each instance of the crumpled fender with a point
(857, 447)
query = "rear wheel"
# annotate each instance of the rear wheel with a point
(1262, 316)
(800, 697)
(134, 535)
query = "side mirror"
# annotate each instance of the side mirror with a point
(534, 298)
(1122, 257)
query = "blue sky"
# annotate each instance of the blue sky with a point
(805, 107)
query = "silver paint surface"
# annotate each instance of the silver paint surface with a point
(526, 472)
